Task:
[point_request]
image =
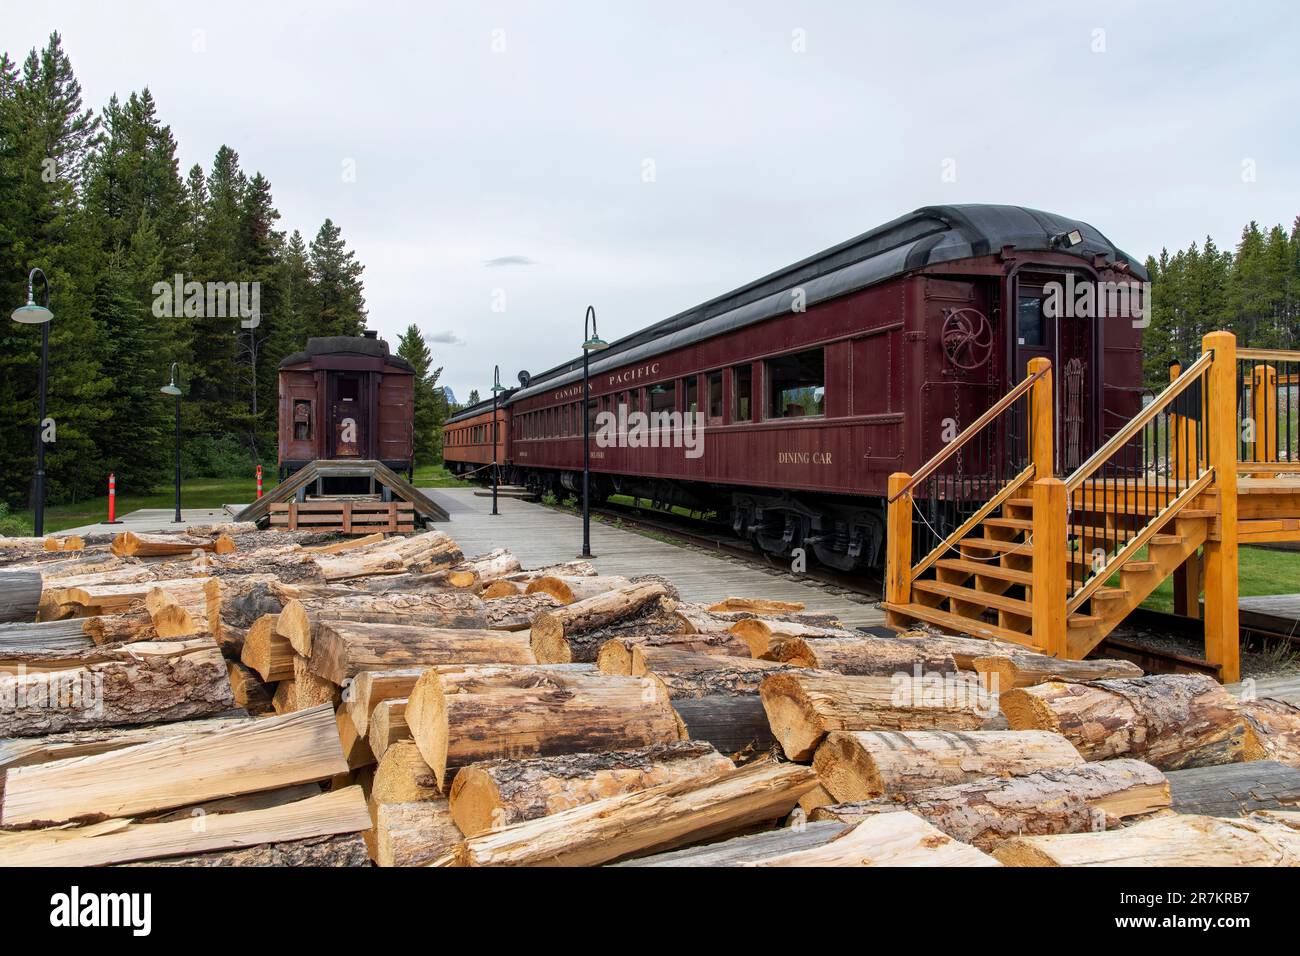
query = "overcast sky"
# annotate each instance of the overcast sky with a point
(643, 157)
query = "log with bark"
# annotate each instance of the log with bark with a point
(1003, 672)
(20, 594)
(698, 619)
(757, 605)
(180, 608)
(687, 674)
(568, 589)
(804, 705)
(863, 765)
(267, 652)
(402, 776)
(176, 771)
(111, 686)
(125, 627)
(86, 599)
(616, 655)
(515, 584)
(1272, 731)
(121, 841)
(28, 751)
(342, 649)
(310, 689)
(299, 618)
(497, 793)
(1169, 720)
(988, 810)
(414, 834)
(573, 633)
(742, 850)
(759, 633)
(476, 573)
(45, 636)
(516, 612)
(248, 690)
(460, 714)
(862, 655)
(370, 687)
(427, 551)
(645, 821)
(1170, 841)
(1235, 789)
(346, 849)
(891, 839)
(138, 544)
(736, 725)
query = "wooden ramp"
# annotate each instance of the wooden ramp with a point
(311, 479)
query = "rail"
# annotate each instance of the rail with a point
(1268, 412)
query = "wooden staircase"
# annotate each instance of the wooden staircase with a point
(1056, 564)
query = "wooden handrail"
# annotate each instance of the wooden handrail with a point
(1268, 355)
(998, 407)
(1179, 385)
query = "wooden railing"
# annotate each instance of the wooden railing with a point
(1268, 411)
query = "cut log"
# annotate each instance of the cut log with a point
(349, 544)
(988, 810)
(249, 691)
(347, 849)
(891, 839)
(284, 700)
(356, 748)
(1272, 731)
(615, 656)
(120, 841)
(759, 633)
(402, 776)
(387, 726)
(1235, 789)
(566, 634)
(20, 594)
(568, 589)
(516, 612)
(697, 619)
(497, 793)
(804, 705)
(110, 598)
(1169, 720)
(17, 640)
(861, 655)
(482, 570)
(299, 617)
(125, 627)
(111, 686)
(135, 544)
(686, 674)
(459, 715)
(68, 542)
(414, 834)
(28, 751)
(427, 551)
(1178, 840)
(1004, 672)
(660, 818)
(266, 651)
(176, 771)
(742, 850)
(371, 687)
(736, 725)
(517, 583)
(310, 689)
(863, 765)
(342, 649)
(757, 605)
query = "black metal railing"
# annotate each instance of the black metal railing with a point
(1268, 408)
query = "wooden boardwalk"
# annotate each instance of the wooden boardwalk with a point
(539, 535)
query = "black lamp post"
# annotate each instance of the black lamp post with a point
(33, 314)
(497, 389)
(173, 389)
(591, 342)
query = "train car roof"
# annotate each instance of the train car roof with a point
(370, 346)
(928, 236)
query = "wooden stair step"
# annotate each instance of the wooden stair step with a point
(1015, 524)
(959, 624)
(988, 570)
(998, 602)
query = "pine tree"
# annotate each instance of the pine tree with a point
(430, 403)
(338, 296)
(473, 397)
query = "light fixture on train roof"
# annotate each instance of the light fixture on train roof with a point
(593, 343)
(1068, 240)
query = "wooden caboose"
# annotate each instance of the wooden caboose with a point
(346, 397)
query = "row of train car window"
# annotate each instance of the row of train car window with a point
(795, 388)
(470, 435)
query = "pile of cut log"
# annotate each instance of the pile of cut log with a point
(312, 700)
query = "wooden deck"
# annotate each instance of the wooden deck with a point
(539, 535)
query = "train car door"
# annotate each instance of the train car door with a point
(347, 417)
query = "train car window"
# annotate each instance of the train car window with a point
(1029, 320)
(796, 384)
(663, 397)
(715, 394)
(349, 389)
(742, 384)
(634, 400)
(692, 393)
(302, 419)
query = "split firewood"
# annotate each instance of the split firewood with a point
(863, 765)
(68, 542)
(429, 550)
(1176, 840)
(345, 849)
(267, 652)
(1272, 731)
(516, 612)
(356, 748)
(478, 572)
(217, 528)
(1288, 818)
(125, 627)
(460, 714)
(135, 544)
(402, 776)
(697, 619)
(225, 600)
(343, 649)
(891, 839)
(757, 605)
(348, 544)
(414, 834)
(862, 655)
(817, 797)
(964, 650)
(568, 589)
(18, 639)
(496, 793)
(20, 595)
(121, 841)
(310, 689)
(686, 674)
(371, 687)
(248, 690)
(299, 618)
(517, 583)
(1169, 720)
(988, 810)
(266, 753)
(387, 725)
(237, 804)
(87, 599)
(736, 725)
(109, 686)
(573, 633)
(743, 850)
(28, 751)
(284, 700)
(759, 633)
(181, 608)
(616, 655)
(804, 705)
(660, 818)
(1025, 669)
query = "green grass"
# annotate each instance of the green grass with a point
(1260, 571)
(436, 476)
